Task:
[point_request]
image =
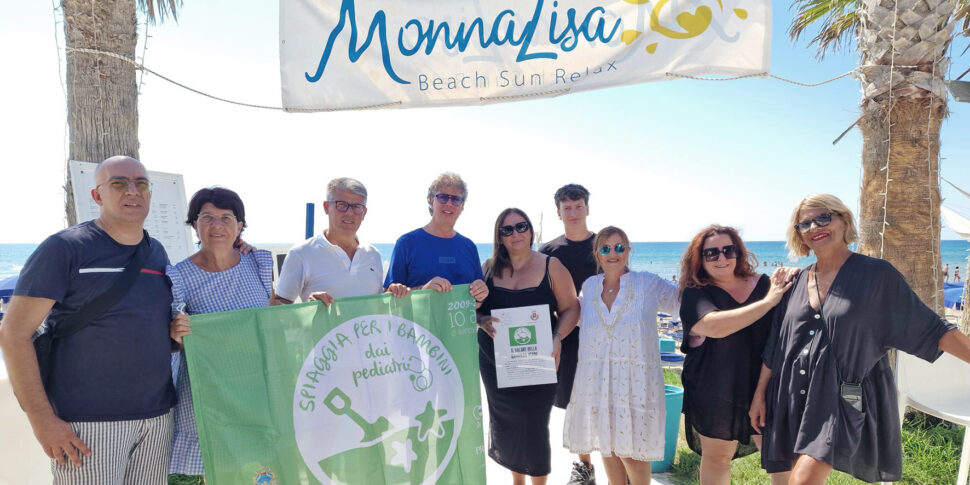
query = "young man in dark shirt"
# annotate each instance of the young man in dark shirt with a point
(575, 250)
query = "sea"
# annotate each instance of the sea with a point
(661, 258)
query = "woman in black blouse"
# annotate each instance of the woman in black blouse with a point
(726, 309)
(826, 396)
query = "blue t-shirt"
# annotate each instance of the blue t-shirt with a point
(118, 366)
(419, 256)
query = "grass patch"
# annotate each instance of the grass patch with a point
(177, 479)
(931, 454)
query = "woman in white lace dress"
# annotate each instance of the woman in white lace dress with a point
(617, 404)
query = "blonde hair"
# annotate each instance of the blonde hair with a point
(602, 236)
(796, 247)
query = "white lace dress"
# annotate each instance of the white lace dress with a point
(617, 404)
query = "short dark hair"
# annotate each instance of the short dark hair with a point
(571, 192)
(220, 197)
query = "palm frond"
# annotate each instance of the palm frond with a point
(158, 10)
(836, 20)
(962, 15)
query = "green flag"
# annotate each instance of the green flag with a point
(370, 390)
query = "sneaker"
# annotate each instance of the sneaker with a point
(582, 474)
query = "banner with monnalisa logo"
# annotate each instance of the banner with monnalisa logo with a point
(370, 390)
(351, 54)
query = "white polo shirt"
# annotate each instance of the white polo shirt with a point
(317, 265)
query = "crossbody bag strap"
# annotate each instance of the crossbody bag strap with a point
(98, 306)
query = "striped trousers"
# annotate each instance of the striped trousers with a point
(133, 452)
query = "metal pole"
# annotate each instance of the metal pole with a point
(309, 220)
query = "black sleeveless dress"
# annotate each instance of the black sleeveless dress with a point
(518, 416)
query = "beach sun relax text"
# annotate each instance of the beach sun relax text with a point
(595, 26)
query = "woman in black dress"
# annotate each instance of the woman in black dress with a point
(827, 382)
(726, 309)
(518, 276)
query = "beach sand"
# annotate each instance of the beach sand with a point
(22, 462)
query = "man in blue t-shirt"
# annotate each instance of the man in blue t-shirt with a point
(103, 415)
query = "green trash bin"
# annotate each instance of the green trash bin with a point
(674, 398)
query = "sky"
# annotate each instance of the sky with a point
(661, 159)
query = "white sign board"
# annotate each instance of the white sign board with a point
(166, 216)
(523, 346)
(354, 54)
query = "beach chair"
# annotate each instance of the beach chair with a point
(941, 389)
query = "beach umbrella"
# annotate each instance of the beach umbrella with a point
(952, 295)
(8, 283)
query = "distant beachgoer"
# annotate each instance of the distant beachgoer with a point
(617, 405)
(574, 249)
(518, 276)
(103, 412)
(217, 278)
(435, 256)
(335, 264)
(726, 309)
(946, 272)
(956, 274)
(826, 397)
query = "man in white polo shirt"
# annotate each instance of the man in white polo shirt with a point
(334, 264)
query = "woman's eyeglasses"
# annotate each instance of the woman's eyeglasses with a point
(712, 254)
(444, 198)
(519, 227)
(343, 206)
(619, 248)
(209, 219)
(820, 221)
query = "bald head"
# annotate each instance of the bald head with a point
(119, 163)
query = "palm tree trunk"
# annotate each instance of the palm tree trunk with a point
(102, 95)
(902, 44)
(900, 186)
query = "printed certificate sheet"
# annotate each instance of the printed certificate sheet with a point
(523, 346)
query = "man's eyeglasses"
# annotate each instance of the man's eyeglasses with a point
(444, 198)
(210, 219)
(619, 248)
(821, 221)
(121, 184)
(712, 254)
(519, 227)
(343, 206)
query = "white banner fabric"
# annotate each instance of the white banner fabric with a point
(357, 54)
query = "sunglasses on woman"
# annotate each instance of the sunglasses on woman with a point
(820, 221)
(712, 254)
(519, 227)
(619, 248)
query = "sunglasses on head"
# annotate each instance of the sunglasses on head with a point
(821, 221)
(619, 248)
(712, 254)
(444, 198)
(519, 227)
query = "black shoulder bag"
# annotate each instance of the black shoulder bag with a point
(92, 310)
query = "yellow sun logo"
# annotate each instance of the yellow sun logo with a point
(691, 24)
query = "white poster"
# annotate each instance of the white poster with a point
(523, 346)
(357, 54)
(166, 215)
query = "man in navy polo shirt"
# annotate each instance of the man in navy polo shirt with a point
(103, 415)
